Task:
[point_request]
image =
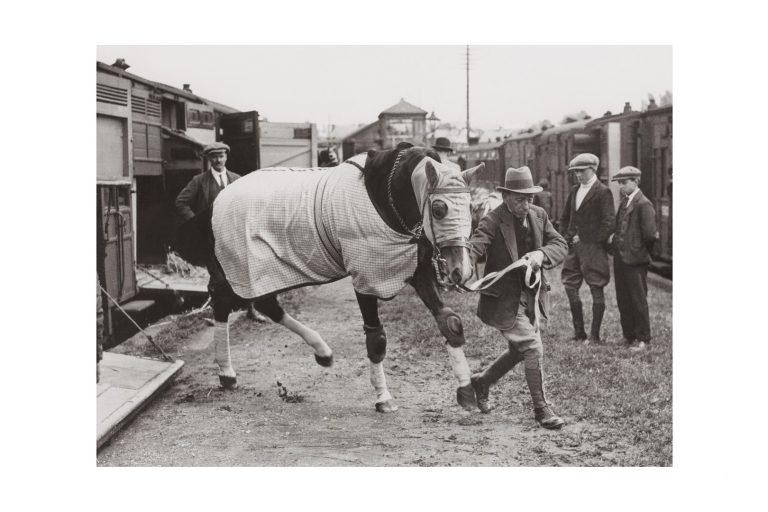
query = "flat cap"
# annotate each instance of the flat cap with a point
(627, 173)
(215, 148)
(584, 161)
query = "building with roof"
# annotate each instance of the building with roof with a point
(402, 122)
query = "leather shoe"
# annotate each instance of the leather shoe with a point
(547, 418)
(481, 393)
(638, 347)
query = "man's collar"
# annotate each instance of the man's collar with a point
(631, 196)
(591, 181)
(218, 173)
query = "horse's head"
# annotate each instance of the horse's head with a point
(442, 194)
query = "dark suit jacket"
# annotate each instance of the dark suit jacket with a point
(635, 231)
(594, 221)
(199, 194)
(498, 304)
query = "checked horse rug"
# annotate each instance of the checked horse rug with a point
(279, 228)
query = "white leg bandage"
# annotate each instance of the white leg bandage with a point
(379, 382)
(459, 364)
(221, 349)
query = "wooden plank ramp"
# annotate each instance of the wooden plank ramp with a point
(126, 386)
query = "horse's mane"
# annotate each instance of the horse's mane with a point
(379, 162)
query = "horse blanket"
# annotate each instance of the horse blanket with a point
(279, 228)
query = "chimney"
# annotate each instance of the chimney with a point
(186, 88)
(627, 108)
(120, 63)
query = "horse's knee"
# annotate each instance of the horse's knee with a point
(270, 307)
(375, 343)
(451, 327)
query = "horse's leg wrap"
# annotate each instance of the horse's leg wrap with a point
(384, 400)
(323, 353)
(227, 375)
(375, 343)
(451, 327)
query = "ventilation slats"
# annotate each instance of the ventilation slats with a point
(109, 94)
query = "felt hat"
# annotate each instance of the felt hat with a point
(627, 172)
(215, 148)
(584, 161)
(443, 144)
(520, 181)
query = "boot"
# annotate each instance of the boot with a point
(577, 312)
(541, 409)
(482, 382)
(597, 319)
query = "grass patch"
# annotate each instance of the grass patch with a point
(624, 397)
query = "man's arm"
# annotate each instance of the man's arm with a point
(608, 216)
(483, 236)
(186, 198)
(648, 225)
(554, 246)
(565, 218)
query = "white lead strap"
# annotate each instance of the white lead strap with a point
(532, 279)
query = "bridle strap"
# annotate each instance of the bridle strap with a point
(448, 190)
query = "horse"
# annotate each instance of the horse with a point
(387, 218)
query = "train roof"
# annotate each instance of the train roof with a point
(481, 147)
(576, 125)
(165, 87)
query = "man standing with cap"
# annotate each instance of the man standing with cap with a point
(632, 244)
(443, 148)
(517, 230)
(203, 188)
(587, 221)
(194, 206)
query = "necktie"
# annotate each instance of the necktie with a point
(221, 182)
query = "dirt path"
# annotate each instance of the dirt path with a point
(332, 421)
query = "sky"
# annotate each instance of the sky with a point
(510, 86)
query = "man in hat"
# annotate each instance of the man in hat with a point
(203, 188)
(587, 221)
(544, 198)
(517, 230)
(443, 148)
(632, 243)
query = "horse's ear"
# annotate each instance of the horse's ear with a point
(404, 145)
(467, 175)
(431, 174)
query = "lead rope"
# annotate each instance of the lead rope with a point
(532, 279)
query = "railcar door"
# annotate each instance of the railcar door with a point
(241, 132)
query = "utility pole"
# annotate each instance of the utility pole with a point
(467, 94)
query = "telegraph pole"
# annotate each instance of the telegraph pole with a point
(467, 94)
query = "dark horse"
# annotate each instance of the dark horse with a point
(281, 228)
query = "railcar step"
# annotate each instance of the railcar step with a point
(137, 306)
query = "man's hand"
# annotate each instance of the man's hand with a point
(575, 239)
(536, 259)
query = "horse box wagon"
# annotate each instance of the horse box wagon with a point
(149, 142)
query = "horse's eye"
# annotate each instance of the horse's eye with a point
(439, 209)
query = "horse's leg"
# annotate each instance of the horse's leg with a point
(271, 308)
(376, 345)
(449, 323)
(223, 305)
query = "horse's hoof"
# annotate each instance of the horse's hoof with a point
(386, 406)
(325, 361)
(228, 382)
(465, 395)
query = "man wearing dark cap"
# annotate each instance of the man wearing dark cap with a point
(632, 244)
(544, 198)
(587, 221)
(203, 188)
(443, 148)
(517, 230)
